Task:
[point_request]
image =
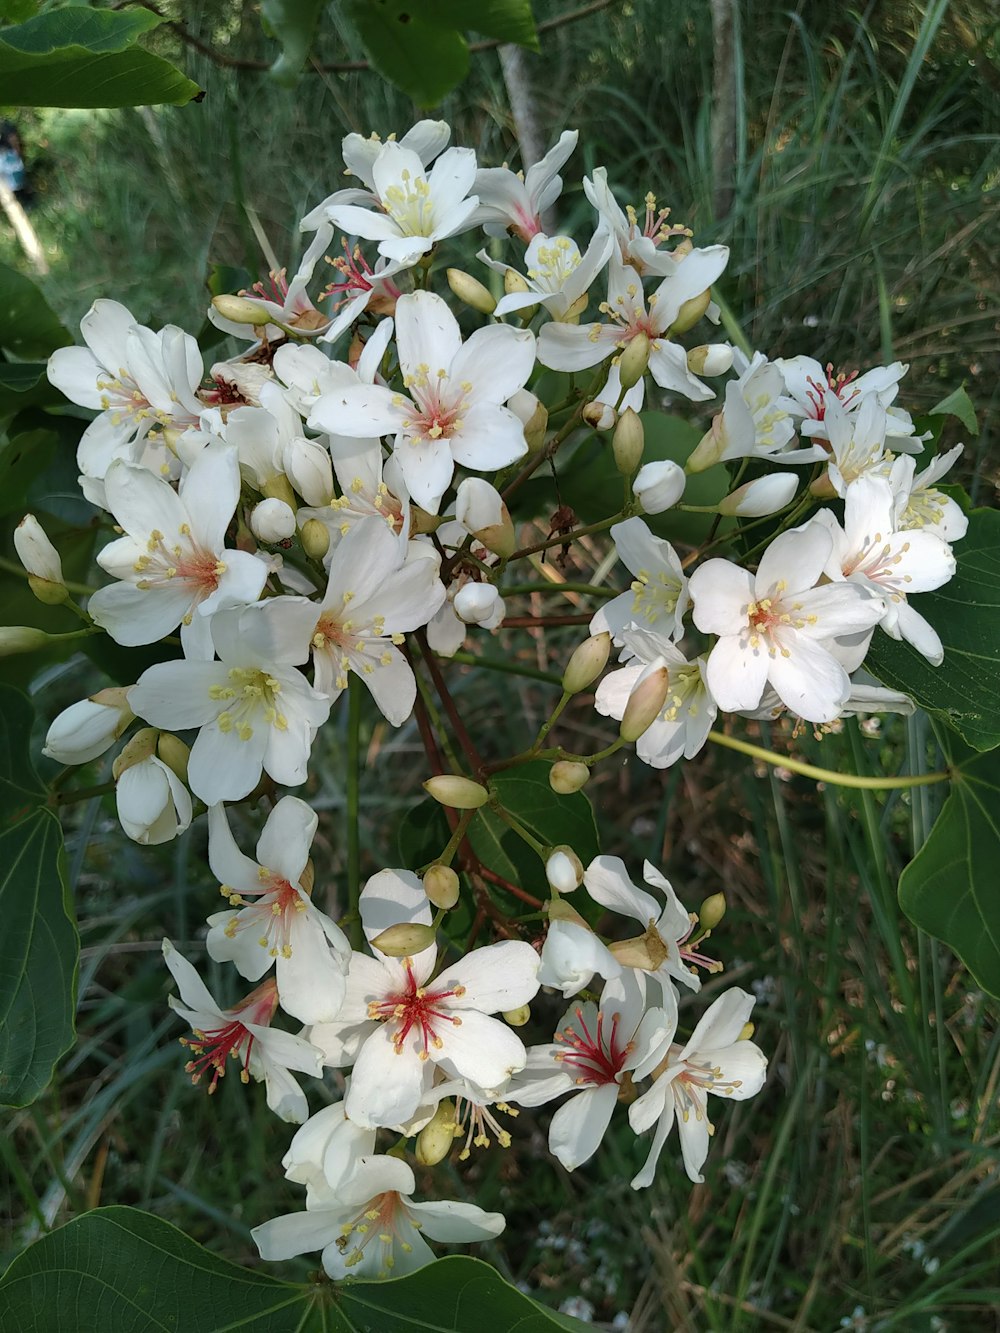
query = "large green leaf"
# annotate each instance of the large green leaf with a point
(293, 23)
(29, 327)
(951, 888)
(503, 20)
(84, 57)
(965, 689)
(38, 944)
(119, 1270)
(424, 60)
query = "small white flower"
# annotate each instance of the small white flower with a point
(814, 388)
(659, 486)
(515, 202)
(558, 276)
(918, 502)
(153, 804)
(35, 552)
(658, 597)
(637, 238)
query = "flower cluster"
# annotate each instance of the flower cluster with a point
(331, 501)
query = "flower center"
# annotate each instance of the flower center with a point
(379, 1220)
(410, 205)
(837, 384)
(419, 1010)
(554, 263)
(656, 595)
(276, 905)
(161, 566)
(252, 695)
(599, 1055)
(439, 407)
(233, 1040)
(768, 618)
(479, 1123)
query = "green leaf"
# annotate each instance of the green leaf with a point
(293, 23)
(38, 945)
(425, 61)
(29, 327)
(119, 1270)
(82, 57)
(965, 689)
(958, 404)
(503, 20)
(950, 888)
(22, 458)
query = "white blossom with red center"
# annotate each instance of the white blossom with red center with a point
(716, 1059)
(575, 347)
(813, 388)
(593, 1056)
(370, 1227)
(513, 202)
(455, 411)
(638, 236)
(359, 287)
(399, 1021)
(173, 564)
(287, 302)
(244, 1034)
(275, 922)
(777, 627)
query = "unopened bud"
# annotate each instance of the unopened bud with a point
(712, 910)
(477, 603)
(588, 661)
(690, 313)
(405, 939)
(41, 559)
(88, 728)
(566, 777)
(142, 746)
(308, 468)
(240, 310)
(710, 359)
(710, 448)
(456, 792)
(659, 486)
(470, 291)
(22, 639)
(765, 495)
(645, 704)
(315, 538)
(602, 416)
(628, 442)
(435, 1139)
(533, 416)
(564, 870)
(634, 361)
(272, 521)
(441, 886)
(513, 283)
(517, 1017)
(481, 511)
(172, 751)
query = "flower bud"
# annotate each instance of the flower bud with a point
(628, 442)
(588, 661)
(137, 751)
(765, 495)
(441, 886)
(710, 359)
(405, 939)
(22, 639)
(272, 521)
(634, 361)
(533, 416)
(601, 416)
(456, 792)
(153, 804)
(712, 910)
(174, 753)
(476, 603)
(37, 554)
(315, 538)
(47, 592)
(435, 1139)
(659, 486)
(240, 310)
(470, 291)
(517, 1017)
(710, 448)
(690, 313)
(645, 703)
(88, 728)
(564, 870)
(479, 508)
(309, 469)
(279, 487)
(566, 776)
(513, 283)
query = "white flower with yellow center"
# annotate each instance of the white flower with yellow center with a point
(658, 597)
(455, 411)
(758, 420)
(557, 275)
(918, 502)
(275, 921)
(638, 234)
(254, 709)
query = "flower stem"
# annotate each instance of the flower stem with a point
(511, 668)
(353, 809)
(827, 774)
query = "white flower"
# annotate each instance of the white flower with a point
(370, 488)
(516, 202)
(397, 1023)
(370, 1227)
(325, 1151)
(857, 442)
(153, 804)
(659, 594)
(919, 504)
(254, 709)
(173, 565)
(762, 496)
(479, 604)
(714, 1060)
(359, 287)
(572, 953)
(455, 412)
(638, 243)
(577, 347)
(557, 275)
(88, 728)
(287, 303)
(814, 388)
(891, 564)
(272, 521)
(263, 433)
(242, 1033)
(776, 626)
(757, 421)
(276, 921)
(427, 138)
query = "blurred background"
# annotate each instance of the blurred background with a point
(850, 158)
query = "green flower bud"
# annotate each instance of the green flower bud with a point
(456, 792)
(628, 442)
(404, 939)
(712, 910)
(470, 291)
(435, 1139)
(315, 538)
(517, 1017)
(566, 776)
(174, 753)
(645, 704)
(588, 661)
(634, 361)
(239, 310)
(442, 886)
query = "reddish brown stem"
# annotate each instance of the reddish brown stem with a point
(494, 878)
(530, 622)
(448, 703)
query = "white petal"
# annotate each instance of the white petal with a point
(579, 1125)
